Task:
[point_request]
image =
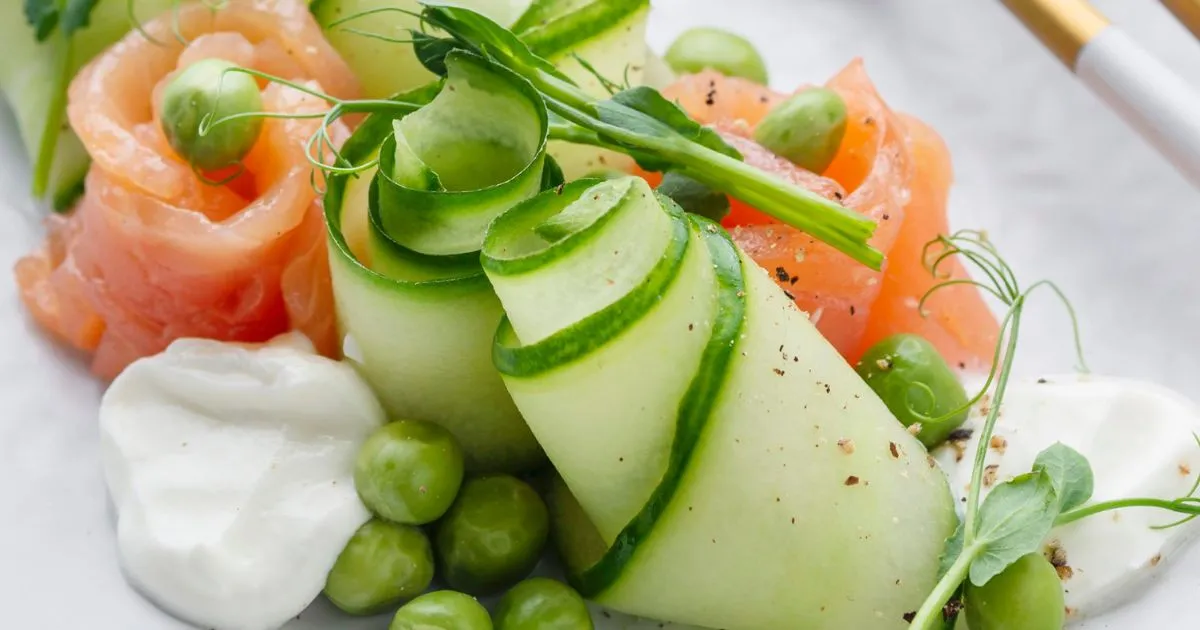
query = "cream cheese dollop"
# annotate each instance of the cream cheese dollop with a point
(231, 470)
(1138, 438)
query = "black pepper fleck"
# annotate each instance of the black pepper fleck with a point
(959, 435)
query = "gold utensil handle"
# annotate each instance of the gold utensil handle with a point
(1187, 12)
(1064, 26)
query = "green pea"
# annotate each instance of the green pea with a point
(915, 383)
(492, 536)
(204, 90)
(442, 610)
(807, 128)
(542, 604)
(1027, 595)
(382, 565)
(702, 48)
(409, 472)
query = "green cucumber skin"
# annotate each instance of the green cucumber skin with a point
(561, 25)
(451, 382)
(26, 73)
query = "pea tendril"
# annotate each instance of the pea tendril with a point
(967, 548)
(974, 247)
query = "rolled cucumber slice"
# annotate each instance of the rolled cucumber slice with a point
(416, 310)
(739, 472)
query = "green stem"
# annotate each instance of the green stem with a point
(821, 218)
(970, 521)
(48, 143)
(1078, 513)
(930, 614)
(825, 220)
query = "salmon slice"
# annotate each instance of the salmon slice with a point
(883, 170)
(712, 98)
(875, 169)
(956, 319)
(153, 253)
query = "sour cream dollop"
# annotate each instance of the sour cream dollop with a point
(1139, 439)
(231, 470)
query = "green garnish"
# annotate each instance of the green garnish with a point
(46, 17)
(1018, 514)
(637, 121)
(659, 134)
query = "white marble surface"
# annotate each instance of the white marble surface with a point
(1066, 191)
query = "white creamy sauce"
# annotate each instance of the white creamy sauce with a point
(231, 469)
(1139, 440)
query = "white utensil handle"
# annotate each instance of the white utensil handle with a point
(1148, 95)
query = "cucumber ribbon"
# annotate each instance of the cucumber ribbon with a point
(737, 471)
(412, 299)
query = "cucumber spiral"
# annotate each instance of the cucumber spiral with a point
(412, 298)
(738, 471)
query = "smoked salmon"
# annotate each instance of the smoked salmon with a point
(154, 252)
(889, 167)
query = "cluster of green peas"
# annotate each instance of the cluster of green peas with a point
(488, 534)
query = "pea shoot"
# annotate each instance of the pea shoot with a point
(637, 121)
(999, 532)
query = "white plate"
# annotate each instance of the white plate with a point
(1066, 191)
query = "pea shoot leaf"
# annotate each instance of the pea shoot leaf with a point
(644, 110)
(953, 549)
(1069, 472)
(76, 14)
(431, 51)
(1013, 521)
(552, 174)
(694, 196)
(42, 15)
(46, 15)
(476, 32)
